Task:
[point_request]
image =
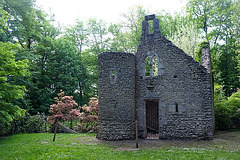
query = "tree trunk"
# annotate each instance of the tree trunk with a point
(71, 127)
(55, 130)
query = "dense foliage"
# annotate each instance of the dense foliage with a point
(25, 124)
(10, 69)
(227, 112)
(219, 25)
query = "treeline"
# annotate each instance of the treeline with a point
(38, 59)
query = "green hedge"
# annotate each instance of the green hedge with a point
(227, 112)
(26, 124)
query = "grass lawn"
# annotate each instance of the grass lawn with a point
(226, 145)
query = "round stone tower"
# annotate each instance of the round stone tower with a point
(116, 85)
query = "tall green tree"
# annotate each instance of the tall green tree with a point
(98, 40)
(215, 19)
(9, 90)
(202, 12)
(226, 66)
(128, 32)
(227, 72)
(10, 69)
(186, 38)
(78, 35)
(89, 40)
(24, 23)
(29, 27)
(59, 67)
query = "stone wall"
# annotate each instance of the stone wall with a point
(116, 96)
(181, 82)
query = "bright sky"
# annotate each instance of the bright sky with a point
(66, 11)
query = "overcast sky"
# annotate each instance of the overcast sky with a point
(66, 11)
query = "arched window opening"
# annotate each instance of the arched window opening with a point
(155, 66)
(150, 26)
(147, 66)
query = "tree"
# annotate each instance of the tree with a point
(78, 34)
(28, 27)
(9, 70)
(215, 19)
(26, 22)
(59, 67)
(226, 68)
(9, 91)
(62, 110)
(118, 42)
(98, 38)
(202, 12)
(128, 34)
(187, 38)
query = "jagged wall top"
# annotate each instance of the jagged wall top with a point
(145, 25)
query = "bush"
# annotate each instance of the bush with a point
(227, 112)
(26, 124)
(236, 119)
(223, 119)
(62, 110)
(65, 109)
(89, 117)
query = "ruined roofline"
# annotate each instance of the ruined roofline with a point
(189, 58)
(148, 37)
(178, 50)
(145, 25)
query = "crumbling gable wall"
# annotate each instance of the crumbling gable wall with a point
(181, 87)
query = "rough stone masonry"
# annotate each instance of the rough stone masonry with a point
(160, 86)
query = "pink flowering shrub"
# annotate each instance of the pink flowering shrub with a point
(88, 117)
(62, 109)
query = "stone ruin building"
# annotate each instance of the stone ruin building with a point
(160, 86)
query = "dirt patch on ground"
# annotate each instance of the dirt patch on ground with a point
(222, 141)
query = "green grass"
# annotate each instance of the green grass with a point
(86, 146)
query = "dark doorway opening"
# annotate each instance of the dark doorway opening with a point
(152, 119)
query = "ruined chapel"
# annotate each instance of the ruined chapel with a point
(160, 86)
